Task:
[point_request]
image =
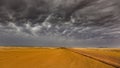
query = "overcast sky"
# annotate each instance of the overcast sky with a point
(69, 23)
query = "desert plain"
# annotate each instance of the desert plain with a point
(59, 57)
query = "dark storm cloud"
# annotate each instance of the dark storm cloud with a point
(28, 35)
(38, 10)
(91, 23)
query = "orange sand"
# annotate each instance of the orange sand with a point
(46, 58)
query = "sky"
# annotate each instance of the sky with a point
(60, 23)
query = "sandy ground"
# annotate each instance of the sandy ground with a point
(38, 57)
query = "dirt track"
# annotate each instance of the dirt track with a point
(102, 58)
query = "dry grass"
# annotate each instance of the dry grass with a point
(47, 58)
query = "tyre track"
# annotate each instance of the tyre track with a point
(89, 55)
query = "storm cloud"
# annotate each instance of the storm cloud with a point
(70, 23)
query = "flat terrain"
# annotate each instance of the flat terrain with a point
(38, 57)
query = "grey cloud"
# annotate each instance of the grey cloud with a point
(27, 35)
(80, 23)
(21, 40)
(38, 10)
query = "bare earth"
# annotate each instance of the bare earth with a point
(39, 57)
